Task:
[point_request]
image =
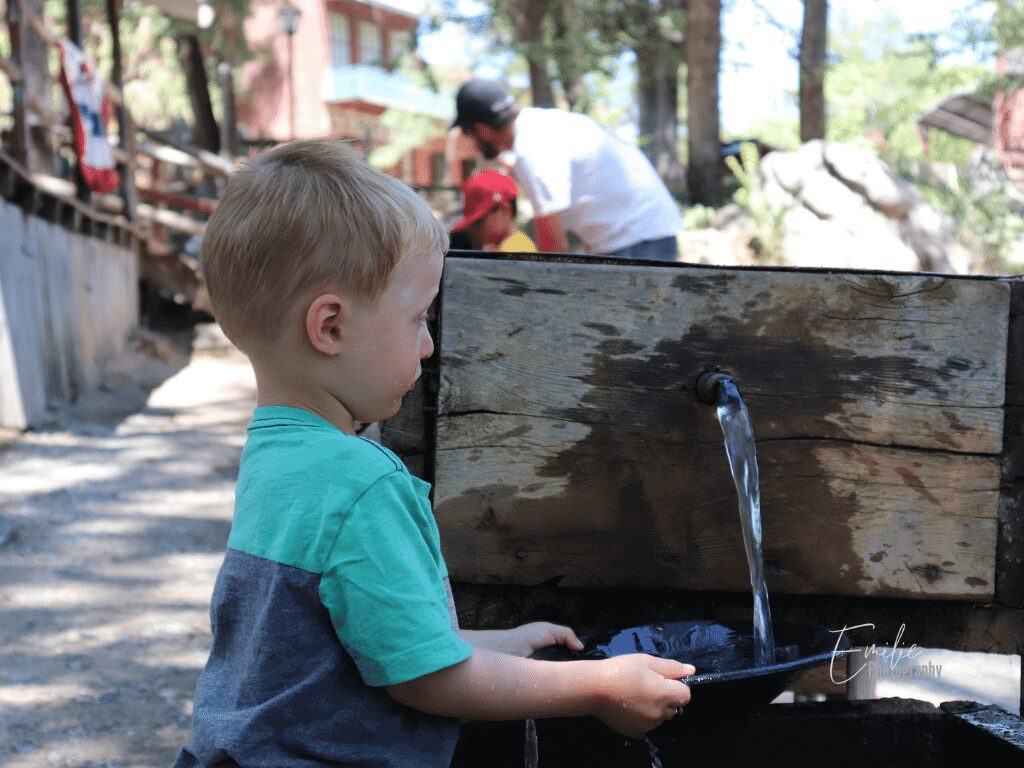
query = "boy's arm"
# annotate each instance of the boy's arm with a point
(522, 640)
(632, 694)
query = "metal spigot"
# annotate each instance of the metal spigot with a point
(709, 386)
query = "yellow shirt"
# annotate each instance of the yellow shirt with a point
(517, 242)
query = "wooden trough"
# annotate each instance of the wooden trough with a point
(577, 477)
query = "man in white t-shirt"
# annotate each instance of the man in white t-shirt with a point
(578, 177)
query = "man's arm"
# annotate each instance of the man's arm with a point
(551, 234)
(632, 693)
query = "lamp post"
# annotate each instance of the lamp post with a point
(288, 15)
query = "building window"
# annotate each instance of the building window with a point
(341, 48)
(371, 43)
(438, 166)
(399, 43)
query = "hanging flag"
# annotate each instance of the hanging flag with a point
(90, 113)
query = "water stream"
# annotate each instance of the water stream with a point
(739, 448)
(530, 757)
(742, 456)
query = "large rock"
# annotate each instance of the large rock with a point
(840, 206)
(870, 177)
(827, 197)
(791, 169)
(930, 234)
(810, 241)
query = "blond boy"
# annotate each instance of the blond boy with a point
(334, 635)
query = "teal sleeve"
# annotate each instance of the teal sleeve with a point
(384, 585)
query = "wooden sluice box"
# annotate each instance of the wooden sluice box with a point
(577, 477)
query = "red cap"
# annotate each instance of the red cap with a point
(483, 191)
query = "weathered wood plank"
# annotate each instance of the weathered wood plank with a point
(569, 443)
(896, 360)
(838, 518)
(1010, 550)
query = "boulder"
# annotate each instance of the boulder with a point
(865, 173)
(837, 206)
(791, 169)
(827, 197)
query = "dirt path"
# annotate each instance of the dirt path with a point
(112, 527)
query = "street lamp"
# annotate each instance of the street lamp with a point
(205, 15)
(288, 16)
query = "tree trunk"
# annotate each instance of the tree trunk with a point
(703, 43)
(812, 70)
(229, 121)
(540, 85)
(226, 79)
(658, 86)
(206, 134)
(125, 126)
(569, 71)
(527, 19)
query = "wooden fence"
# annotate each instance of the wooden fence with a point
(168, 188)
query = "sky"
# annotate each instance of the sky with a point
(758, 76)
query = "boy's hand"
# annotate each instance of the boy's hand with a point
(527, 638)
(641, 692)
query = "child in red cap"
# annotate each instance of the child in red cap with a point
(488, 215)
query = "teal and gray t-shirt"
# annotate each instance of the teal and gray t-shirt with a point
(333, 586)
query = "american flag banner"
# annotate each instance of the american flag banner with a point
(90, 111)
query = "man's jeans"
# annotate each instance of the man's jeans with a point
(663, 249)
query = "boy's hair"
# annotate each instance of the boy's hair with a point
(303, 216)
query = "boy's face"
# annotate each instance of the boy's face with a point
(386, 340)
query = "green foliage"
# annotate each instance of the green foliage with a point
(406, 131)
(778, 132)
(882, 82)
(580, 44)
(1008, 24)
(990, 217)
(699, 217)
(767, 242)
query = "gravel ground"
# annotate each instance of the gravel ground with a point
(112, 527)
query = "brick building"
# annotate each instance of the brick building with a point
(344, 79)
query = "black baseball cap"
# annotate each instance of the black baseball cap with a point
(484, 101)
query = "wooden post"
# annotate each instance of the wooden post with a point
(126, 126)
(74, 18)
(1010, 548)
(16, 26)
(30, 55)
(228, 121)
(74, 31)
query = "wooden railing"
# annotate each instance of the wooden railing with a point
(168, 188)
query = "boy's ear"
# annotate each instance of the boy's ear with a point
(325, 319)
